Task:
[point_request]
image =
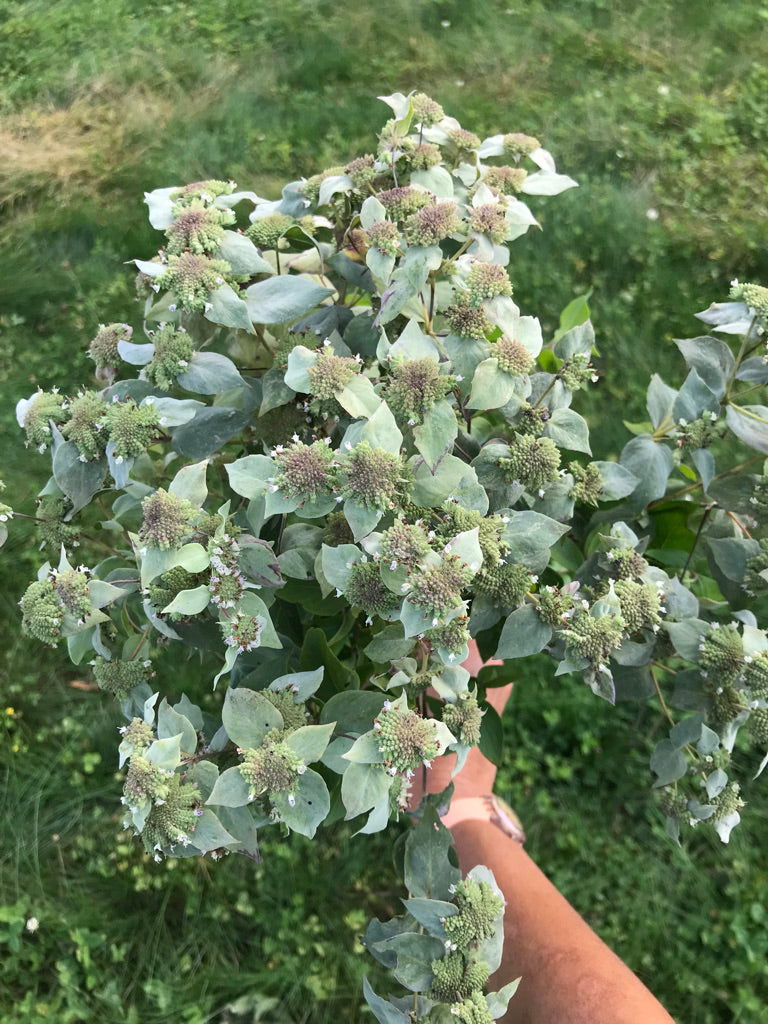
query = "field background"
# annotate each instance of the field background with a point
(658, 109)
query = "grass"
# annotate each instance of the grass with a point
(655, 107)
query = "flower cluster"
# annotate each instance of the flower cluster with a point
(722, 653)
(294, 714)
(173, 819)
(242, 631)
(457, 976)
(577, 371)
(490, 219)
(533, 461)
(594, 638)
(415, 386)
(119, 677)
(173, 351)
(431, 224)
(44, 407)
(464, 719)
(41, 613)
(361, 170)
(202, 191)
(373, 477)
(405, 738)
(700, 433)
(555, 606)
(51, 527)
(506, 585)
(505, 180)
(640, 605)
(453, 636)
(198, 228)
(192, 278)
(400, 202)
(437, 588)
(136, 736)
(467, 321)
(517, 145)
(755, 296)
(512, 356)
(587, 483)
(85, 426)
(267, 231)
(403, 542)
(423, 156)
(330, 373)
(271, 768)
(384, 236)
(103, 349)
(426, 111)
(486, 281)
(131, 428)
(304, 471)
(166, 519)
(169, 585)
(365, 589)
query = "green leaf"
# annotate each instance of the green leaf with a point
(379, 263)
(547, 183)
(524, 633)
(248, 716)
(80, 644)
(530, 535)
(310, 807)
(231, 789)
(497, 1002)
(300, 359)
(315, 651)
(172, 723)
(574, 314)
(749, 423)
(252, 604)
(389, 645)
(361, 519)
(381, 430)
(258, 562)
(242, 256)
(353, 711)
(694, 399)
(78, 480)
(239, 822)
(686, 636)
(668, 763)
(433, 487)
(437, 433)
(209, 833)
(651, 463)
(283, 298)
(225, 307)
(365, 750)
(303, 684)
(337, 563)
(210, 373)
(248, 476)
(415, 954)
(208, 431)
(711, 358)
(382, 1009)
(189, 602)
(362, 787)
(190, 483)
(568, 430)
(617, 481)
(579, 340)
(659, 401)
(492, 736)
(731, 555)
(491, 387)
(275, 392)
(309, 742)
(431, 913)
(358, 397)
(165, 753)
(428, 871)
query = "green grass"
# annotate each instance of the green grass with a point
(652, 106)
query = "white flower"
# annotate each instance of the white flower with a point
(32, 924)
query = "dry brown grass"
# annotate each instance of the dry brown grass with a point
(73, 146)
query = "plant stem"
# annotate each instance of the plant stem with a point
(707, 513)
(663, 703)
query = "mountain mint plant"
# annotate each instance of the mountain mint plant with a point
(329, 451)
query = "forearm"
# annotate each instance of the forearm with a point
(569, 975)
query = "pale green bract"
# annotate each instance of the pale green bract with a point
(360, 411)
